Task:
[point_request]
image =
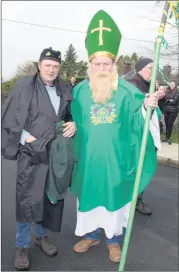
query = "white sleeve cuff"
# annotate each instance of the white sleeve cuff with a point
(154, 128)
(24, 136)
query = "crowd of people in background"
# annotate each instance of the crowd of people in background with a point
(169, 106)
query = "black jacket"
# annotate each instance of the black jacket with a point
(140, 83)
(161, 103)
(171, 102)
(29, 107)
(70, 86)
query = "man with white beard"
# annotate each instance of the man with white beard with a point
(109, 114)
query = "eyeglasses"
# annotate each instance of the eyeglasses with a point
(149, 67)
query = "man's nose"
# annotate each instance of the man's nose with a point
(102, 67)
(51, 69)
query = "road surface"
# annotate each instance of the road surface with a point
(154, 239)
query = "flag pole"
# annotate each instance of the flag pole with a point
(159, 41)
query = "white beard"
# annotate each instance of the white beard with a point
(102, 84)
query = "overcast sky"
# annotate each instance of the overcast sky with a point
(24, 42)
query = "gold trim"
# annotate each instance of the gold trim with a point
(165, 12)
(102, 54)
(161, 29)
(101, 28)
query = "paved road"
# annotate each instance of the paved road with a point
(154, 239)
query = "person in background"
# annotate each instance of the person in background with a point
(71, 84)
(170, 110)
(160, 104)
(142, 80)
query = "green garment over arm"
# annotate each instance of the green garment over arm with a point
(61, 161)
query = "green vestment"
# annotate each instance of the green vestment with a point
(107, 146)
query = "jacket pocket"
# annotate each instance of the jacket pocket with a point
(38, 151)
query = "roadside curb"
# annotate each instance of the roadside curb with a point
(168, 161)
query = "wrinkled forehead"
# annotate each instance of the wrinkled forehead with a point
(102, 60)
(50, 63)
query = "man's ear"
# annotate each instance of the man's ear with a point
(39, 66)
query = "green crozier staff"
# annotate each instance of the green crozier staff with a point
(145, 136)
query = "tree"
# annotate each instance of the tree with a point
(127, 58)
(134, 57)
(6, 88)
(26, 69)
(69, 65)
(120, 65)
(82, 67)
(171, 53)
(125, 63)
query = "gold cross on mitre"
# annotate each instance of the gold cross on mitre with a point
(100, 29)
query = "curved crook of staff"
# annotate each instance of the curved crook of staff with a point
(144, 138)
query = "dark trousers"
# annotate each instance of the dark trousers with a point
(139, 199)
(169, 121)
(161, 126)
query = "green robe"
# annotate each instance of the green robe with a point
(107, 146)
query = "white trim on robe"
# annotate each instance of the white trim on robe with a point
(111, 222)
(154, 128)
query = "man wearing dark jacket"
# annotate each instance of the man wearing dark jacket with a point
(71, 84)
(142, 81)
(29, 120)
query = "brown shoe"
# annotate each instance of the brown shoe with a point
(47, 248)
(114, 253)
(22, 259)
(84, 245)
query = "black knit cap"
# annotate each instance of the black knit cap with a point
(141, 63)
(50, 54)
